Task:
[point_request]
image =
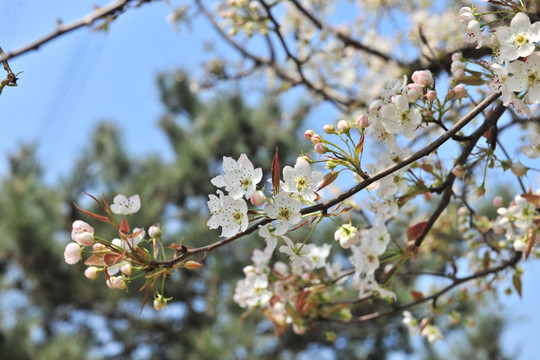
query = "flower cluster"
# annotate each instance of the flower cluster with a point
(515, 71)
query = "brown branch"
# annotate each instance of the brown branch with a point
(428, 149)
(87, 20)
(509, 263)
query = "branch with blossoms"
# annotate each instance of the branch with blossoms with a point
(293, 280)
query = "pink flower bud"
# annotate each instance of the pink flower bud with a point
(316, 138)
(72, 254)
(116, 282)
(362, 121)
(431, 95)
(126, 269)
(343, 126)
(518, 169)
(460, 92)
(321, 148)
(413, 91)
(498, 201)
(98, 247)
(456, 57)
(422, 77)
(328, 129)
(84, 239)
(463, 211)
(258, 198)
(154, 231)
(308, 134)
(91, 272)
(459, 74)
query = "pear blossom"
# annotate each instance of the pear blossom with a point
(410, 323)
(318, 255)
(124, 206)
(215, 205)
(521, 108)
(285, 210)
(532, 150)
(82, 233)
(72, 253)
(398, 118)
(432, 333)
(252, 291)
(526, 77)
(301, 179)
(91, 272)
(233, 218)
(240, 178)
(347, 235)
(116, 282)
(517, 40)
(269, 237)
(297, 254)
(498, 82)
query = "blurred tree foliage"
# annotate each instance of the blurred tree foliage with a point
(48, 310)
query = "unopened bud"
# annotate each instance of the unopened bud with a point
(308, 134)
(316, 138)
(84, 239)
(72, 253)
(320, 148)
(343, 126)
(460, 92)
(362, 121)
(258, 198)
(498, 201)
(329, 129)
(91, 272)
(458, 170)
(154, 231)
(431, 95)
(192, 265)
(422, 77)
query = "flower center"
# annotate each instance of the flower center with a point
(237, 216)
(246, 183)
(521, 40)
(284, 214)
(404, 117)
(532, 78)
(301, 183)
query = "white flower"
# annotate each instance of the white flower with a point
(297, 254)
(517, 39)
(520, 108)
(252, 291)
(72, 253)
(347, 235)
(526, 77)
(233, 218)
(532, 150)
(82, 233)
(432, 333)
(124, 206)
(240, 178)
(318, 255)
(498, 83)
(398, 118)
(285, 210)
(269, 237)
(215, 205)
(410, 323)
(302, 180)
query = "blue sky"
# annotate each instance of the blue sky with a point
(75, 81)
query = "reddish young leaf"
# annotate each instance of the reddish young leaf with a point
(417, 295)
(95, 260)
(359, 148)
(113, 259)
(124, 227)
(531, 198)
(328, 179)
(531, 239)
(95, 216)
(275, 173)
(414, 232)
